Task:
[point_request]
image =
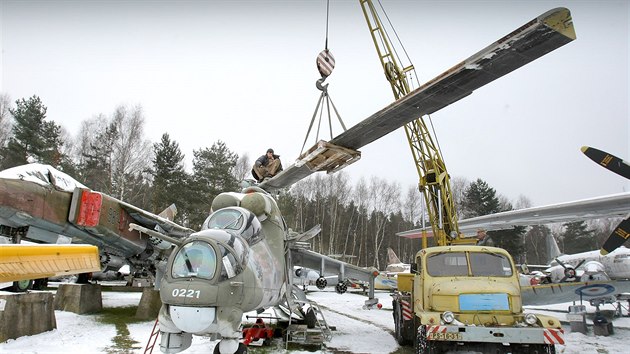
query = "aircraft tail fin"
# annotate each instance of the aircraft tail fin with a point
(393, 258)
(553, 251)
(169, 213)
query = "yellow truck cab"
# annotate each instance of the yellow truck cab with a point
(468, 297)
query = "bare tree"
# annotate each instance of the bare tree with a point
(458, 188)
(132, 153)
(5, 119)
(522, 202)
(384, 199)
(339, 193)
(243, 167)
(412, 206)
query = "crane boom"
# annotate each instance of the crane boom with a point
(434, 181)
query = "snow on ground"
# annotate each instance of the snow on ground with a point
(357, 330)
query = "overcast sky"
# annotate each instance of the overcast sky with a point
(244, 72)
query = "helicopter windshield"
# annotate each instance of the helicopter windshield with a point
(237, 221)
(195, 259)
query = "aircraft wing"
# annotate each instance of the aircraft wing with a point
(545, 294)
(529, 42)
(329, 266)
(615, 205)
(22, 262)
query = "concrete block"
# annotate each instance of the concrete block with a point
(25, 314)
(79, 298)
(150, 304)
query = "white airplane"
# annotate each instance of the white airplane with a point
(387, 279)
(588, 274)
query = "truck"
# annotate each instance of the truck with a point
(468, 297)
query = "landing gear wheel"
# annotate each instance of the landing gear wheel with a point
(21, 286)
(242, 349)
(321, 283)
(341, 288)
(310, 318)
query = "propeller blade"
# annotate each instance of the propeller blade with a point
(619, 235)
(579, 264)
(561, 263)
(608, 161)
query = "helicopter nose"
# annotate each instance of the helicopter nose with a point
(192, 319)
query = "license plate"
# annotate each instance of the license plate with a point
(445, 336)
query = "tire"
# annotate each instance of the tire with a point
(310, 318)
(398, 324)
(21, 286)
(242, 349)
(422, 345)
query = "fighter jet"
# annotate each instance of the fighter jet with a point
(41, 204)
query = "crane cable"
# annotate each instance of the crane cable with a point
(325, 65)
(417, 81)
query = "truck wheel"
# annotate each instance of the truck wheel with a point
(550, 349)
(423, 346)
(398, 324)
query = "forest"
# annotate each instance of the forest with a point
(359, 220)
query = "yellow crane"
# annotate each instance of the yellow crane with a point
(434, 181)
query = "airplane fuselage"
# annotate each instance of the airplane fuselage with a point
(616, 264)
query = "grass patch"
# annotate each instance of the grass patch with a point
(120, 317)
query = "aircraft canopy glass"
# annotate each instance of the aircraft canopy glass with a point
(195, 259)
(237, 221)
(482, 264)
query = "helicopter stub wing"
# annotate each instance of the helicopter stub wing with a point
(545, 33)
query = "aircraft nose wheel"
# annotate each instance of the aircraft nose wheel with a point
(341, 288)
(321, 283)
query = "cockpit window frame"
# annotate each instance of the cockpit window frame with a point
(183, 268)
(249, 227)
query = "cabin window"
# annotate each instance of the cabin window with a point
(195, 259)
(482, 264)
(447, 264)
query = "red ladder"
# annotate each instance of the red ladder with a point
(155, 333)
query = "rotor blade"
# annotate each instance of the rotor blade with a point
(608, 161)
(617, 238)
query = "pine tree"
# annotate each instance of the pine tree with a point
(481, 199)
(170, 181)
(212, 174)
(33, 138)
(577, 238)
